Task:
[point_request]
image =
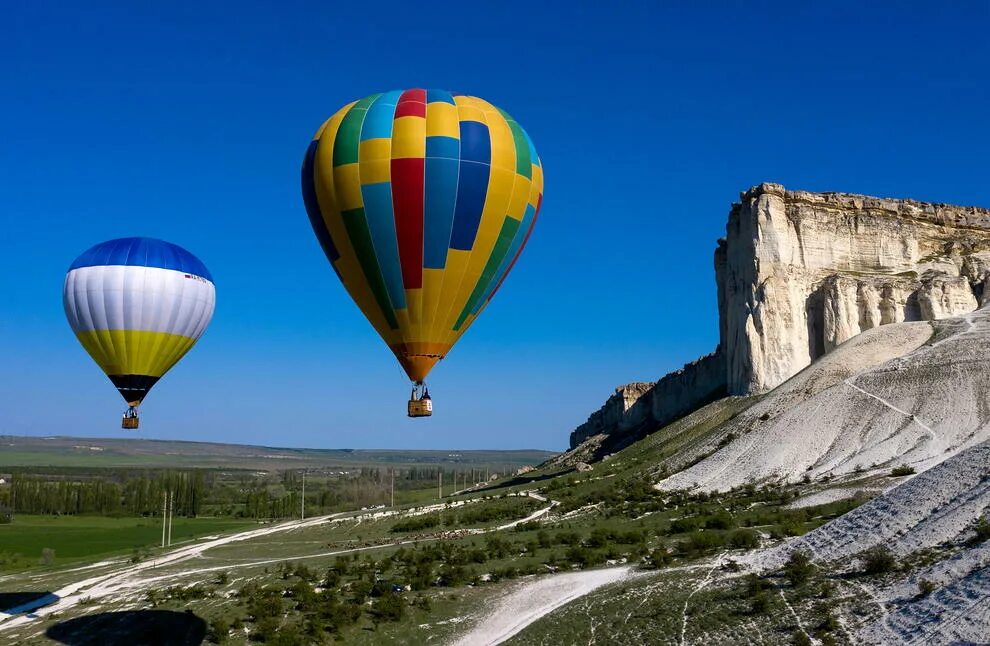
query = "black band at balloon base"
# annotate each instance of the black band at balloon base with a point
(133, 388)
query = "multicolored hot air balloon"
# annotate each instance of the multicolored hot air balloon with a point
(422, 200)
(137, 305)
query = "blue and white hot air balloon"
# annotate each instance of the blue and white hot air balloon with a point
(137, 305)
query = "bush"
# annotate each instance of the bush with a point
(903, 470)
(389, 607)
(982, 529)
(700, 541)
(721, 520)
(799, 638)
(926, 587)
(755, 585)
(219, 630)
(47, 556)
(878, 560)
(761, 604)
(829, 623)
(798, 568)
(744, 539)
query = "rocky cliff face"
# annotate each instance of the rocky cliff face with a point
(640, 407)
(799, 273)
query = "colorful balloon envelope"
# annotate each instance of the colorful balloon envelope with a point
(137, 305)
(422, 201)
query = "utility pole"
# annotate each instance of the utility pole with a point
(392, 487)
(171, 513)
(164, 515)
(440, 484)
(302, 513)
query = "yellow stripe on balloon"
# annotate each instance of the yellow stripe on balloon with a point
(135, 352)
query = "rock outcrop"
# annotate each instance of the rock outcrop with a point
(799, 273)
(641, 407)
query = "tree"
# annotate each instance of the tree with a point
(798, 568)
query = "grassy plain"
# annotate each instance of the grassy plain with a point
(86, 538)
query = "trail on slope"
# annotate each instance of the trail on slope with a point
(704, 582)
(534, 600)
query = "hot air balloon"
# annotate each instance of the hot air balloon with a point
(137, 305)
(422, 201)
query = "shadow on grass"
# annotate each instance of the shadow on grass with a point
(131, 628)
(16, 602)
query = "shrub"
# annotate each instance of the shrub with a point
(744, 539)
(800, 638)
(219, 630)
(798, 568)
(721, 520)
(47, 556)
(903, 470)
(389, 607)
(761, 604)
(926, 587)
(982, 529)
(829, 623)
(755, 585)
(877, 560)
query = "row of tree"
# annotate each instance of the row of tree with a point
(138, 496)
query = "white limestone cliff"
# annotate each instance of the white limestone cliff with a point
(798, 274)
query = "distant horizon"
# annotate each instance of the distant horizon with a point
(178, 123)
(270, 446)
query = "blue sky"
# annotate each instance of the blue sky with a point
(188, 121)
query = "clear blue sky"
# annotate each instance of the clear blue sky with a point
(189, 123)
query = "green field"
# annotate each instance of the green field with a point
(76, 538)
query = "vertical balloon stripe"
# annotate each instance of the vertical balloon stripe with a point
(439, 203)
(412, 103)
(472, 184)
(511, 252)
(407, 189)
(348, 265)
(408, 170)
(536, 215)
(443, 152)
(378, 122)
(439, 96)
(351, 196)
(360, 236)
(346, 144)
(313, 206)
(524, 162)
(502, 243)
(381, 224)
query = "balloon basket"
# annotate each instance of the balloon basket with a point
(130, 419)
(420, 407)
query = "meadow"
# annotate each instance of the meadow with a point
(87, 538)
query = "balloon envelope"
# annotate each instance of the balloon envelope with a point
(422, 201)
(137, 305)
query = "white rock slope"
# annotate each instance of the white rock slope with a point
(886, 397)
